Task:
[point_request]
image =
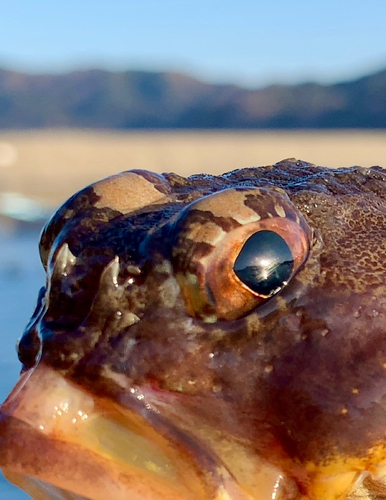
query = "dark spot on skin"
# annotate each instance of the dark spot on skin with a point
(255, 204)
(157, 180)
(194, 216)
(81, 207)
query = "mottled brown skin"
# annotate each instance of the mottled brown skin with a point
(298, 378)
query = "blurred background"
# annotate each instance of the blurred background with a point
(89, 88)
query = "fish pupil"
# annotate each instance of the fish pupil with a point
(265, 263)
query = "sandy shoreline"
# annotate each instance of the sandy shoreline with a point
(52, 164)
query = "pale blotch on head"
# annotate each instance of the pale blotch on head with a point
(129, 191)
(230, 203)
(280, 210)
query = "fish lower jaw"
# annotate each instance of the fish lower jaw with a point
(58, 441)
(56, 437)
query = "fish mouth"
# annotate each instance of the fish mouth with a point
(59, 441)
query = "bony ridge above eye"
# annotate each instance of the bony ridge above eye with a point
(235, 249)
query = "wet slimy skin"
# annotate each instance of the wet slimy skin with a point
(208, 338)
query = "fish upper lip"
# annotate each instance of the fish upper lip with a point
(69, 445)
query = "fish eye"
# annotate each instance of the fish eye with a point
(235, 249)
(265, 263)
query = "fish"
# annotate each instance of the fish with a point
(207, 338)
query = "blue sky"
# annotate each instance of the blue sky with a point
(252, 43)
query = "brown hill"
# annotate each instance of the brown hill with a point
(146, 100)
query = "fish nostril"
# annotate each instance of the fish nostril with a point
(28, 348)
(29, 345)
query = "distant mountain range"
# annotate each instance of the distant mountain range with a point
(140, 100)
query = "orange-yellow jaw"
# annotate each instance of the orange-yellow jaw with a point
(55, 432)
(60, 442)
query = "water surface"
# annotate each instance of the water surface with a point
(21, 276)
